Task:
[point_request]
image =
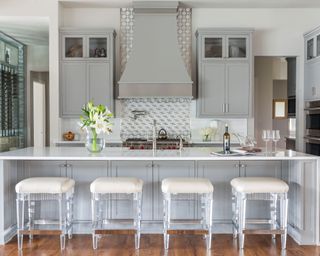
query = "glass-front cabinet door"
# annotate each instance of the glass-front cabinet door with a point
(237, 47)
(98, 47)
(73, 47)
(213, 47)
(310, 49)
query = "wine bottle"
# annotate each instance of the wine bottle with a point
(226, 141)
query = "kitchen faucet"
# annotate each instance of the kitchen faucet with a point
(180, 142)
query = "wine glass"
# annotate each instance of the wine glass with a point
(275, 137)
(266, 136)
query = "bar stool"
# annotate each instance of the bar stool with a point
(59, 189)
(202, 187)
(101, 189)
(259, 188)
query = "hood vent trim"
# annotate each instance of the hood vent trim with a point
(155, 47)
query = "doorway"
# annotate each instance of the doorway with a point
(275, 99)
(39, 109)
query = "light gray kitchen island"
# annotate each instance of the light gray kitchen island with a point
(300, 171)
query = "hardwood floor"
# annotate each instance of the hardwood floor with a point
(222, 245)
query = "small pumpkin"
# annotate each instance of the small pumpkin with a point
(69, 136)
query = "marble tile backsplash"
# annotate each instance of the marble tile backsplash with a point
(171, 114)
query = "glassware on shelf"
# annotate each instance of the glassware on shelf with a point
(275, 138)
(266, 136)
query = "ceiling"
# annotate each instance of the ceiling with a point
(27, 30)
(201, 3)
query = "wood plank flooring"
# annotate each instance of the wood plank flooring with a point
(222, 245)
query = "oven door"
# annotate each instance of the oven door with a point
(312, 145)
(313, 122)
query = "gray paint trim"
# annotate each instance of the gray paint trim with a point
(155, 90)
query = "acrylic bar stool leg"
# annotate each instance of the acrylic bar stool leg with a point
(30, 215)
(166, 222)
(61, 224)
(70, 216)
(138, 204)
(94, 221)
(208, 209)
(274, 212)
(284, 219)
(235, 212)
(20, 219)
(242, 220)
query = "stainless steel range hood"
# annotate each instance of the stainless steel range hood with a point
(155, 67)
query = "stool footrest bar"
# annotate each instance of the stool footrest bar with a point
(115, 232)
(187, 232)
(40, 232)
(263, 231)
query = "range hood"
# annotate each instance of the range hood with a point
(155, 67)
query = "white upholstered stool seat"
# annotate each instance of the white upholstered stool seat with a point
(125, 185)
(267, 189)
(50, 185)
(58, 190)
(171, 188)
(259, 185)
(100, 189)
(186, 185)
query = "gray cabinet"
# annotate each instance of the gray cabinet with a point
(78, 170)
(220, 173)
(237, 89)
(211, 99)
(183, 207)
(260, 209)
(122, 208)
(86, 69)
(224, 71)
(98, 91)
(312, 65)
(74, 87)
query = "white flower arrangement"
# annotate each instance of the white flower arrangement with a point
(207, 132)
(96, 119)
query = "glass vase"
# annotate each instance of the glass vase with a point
(95, 143)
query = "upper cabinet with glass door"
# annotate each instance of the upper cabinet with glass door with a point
(237, 47)
(73, 47)
(312, 45)
(82, 44)
(221, 47)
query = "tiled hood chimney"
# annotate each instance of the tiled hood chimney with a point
(155, 67)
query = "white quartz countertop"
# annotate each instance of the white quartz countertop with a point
(122, 153)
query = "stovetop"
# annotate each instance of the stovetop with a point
(170, 143)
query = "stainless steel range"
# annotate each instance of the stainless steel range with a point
(162, 144)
